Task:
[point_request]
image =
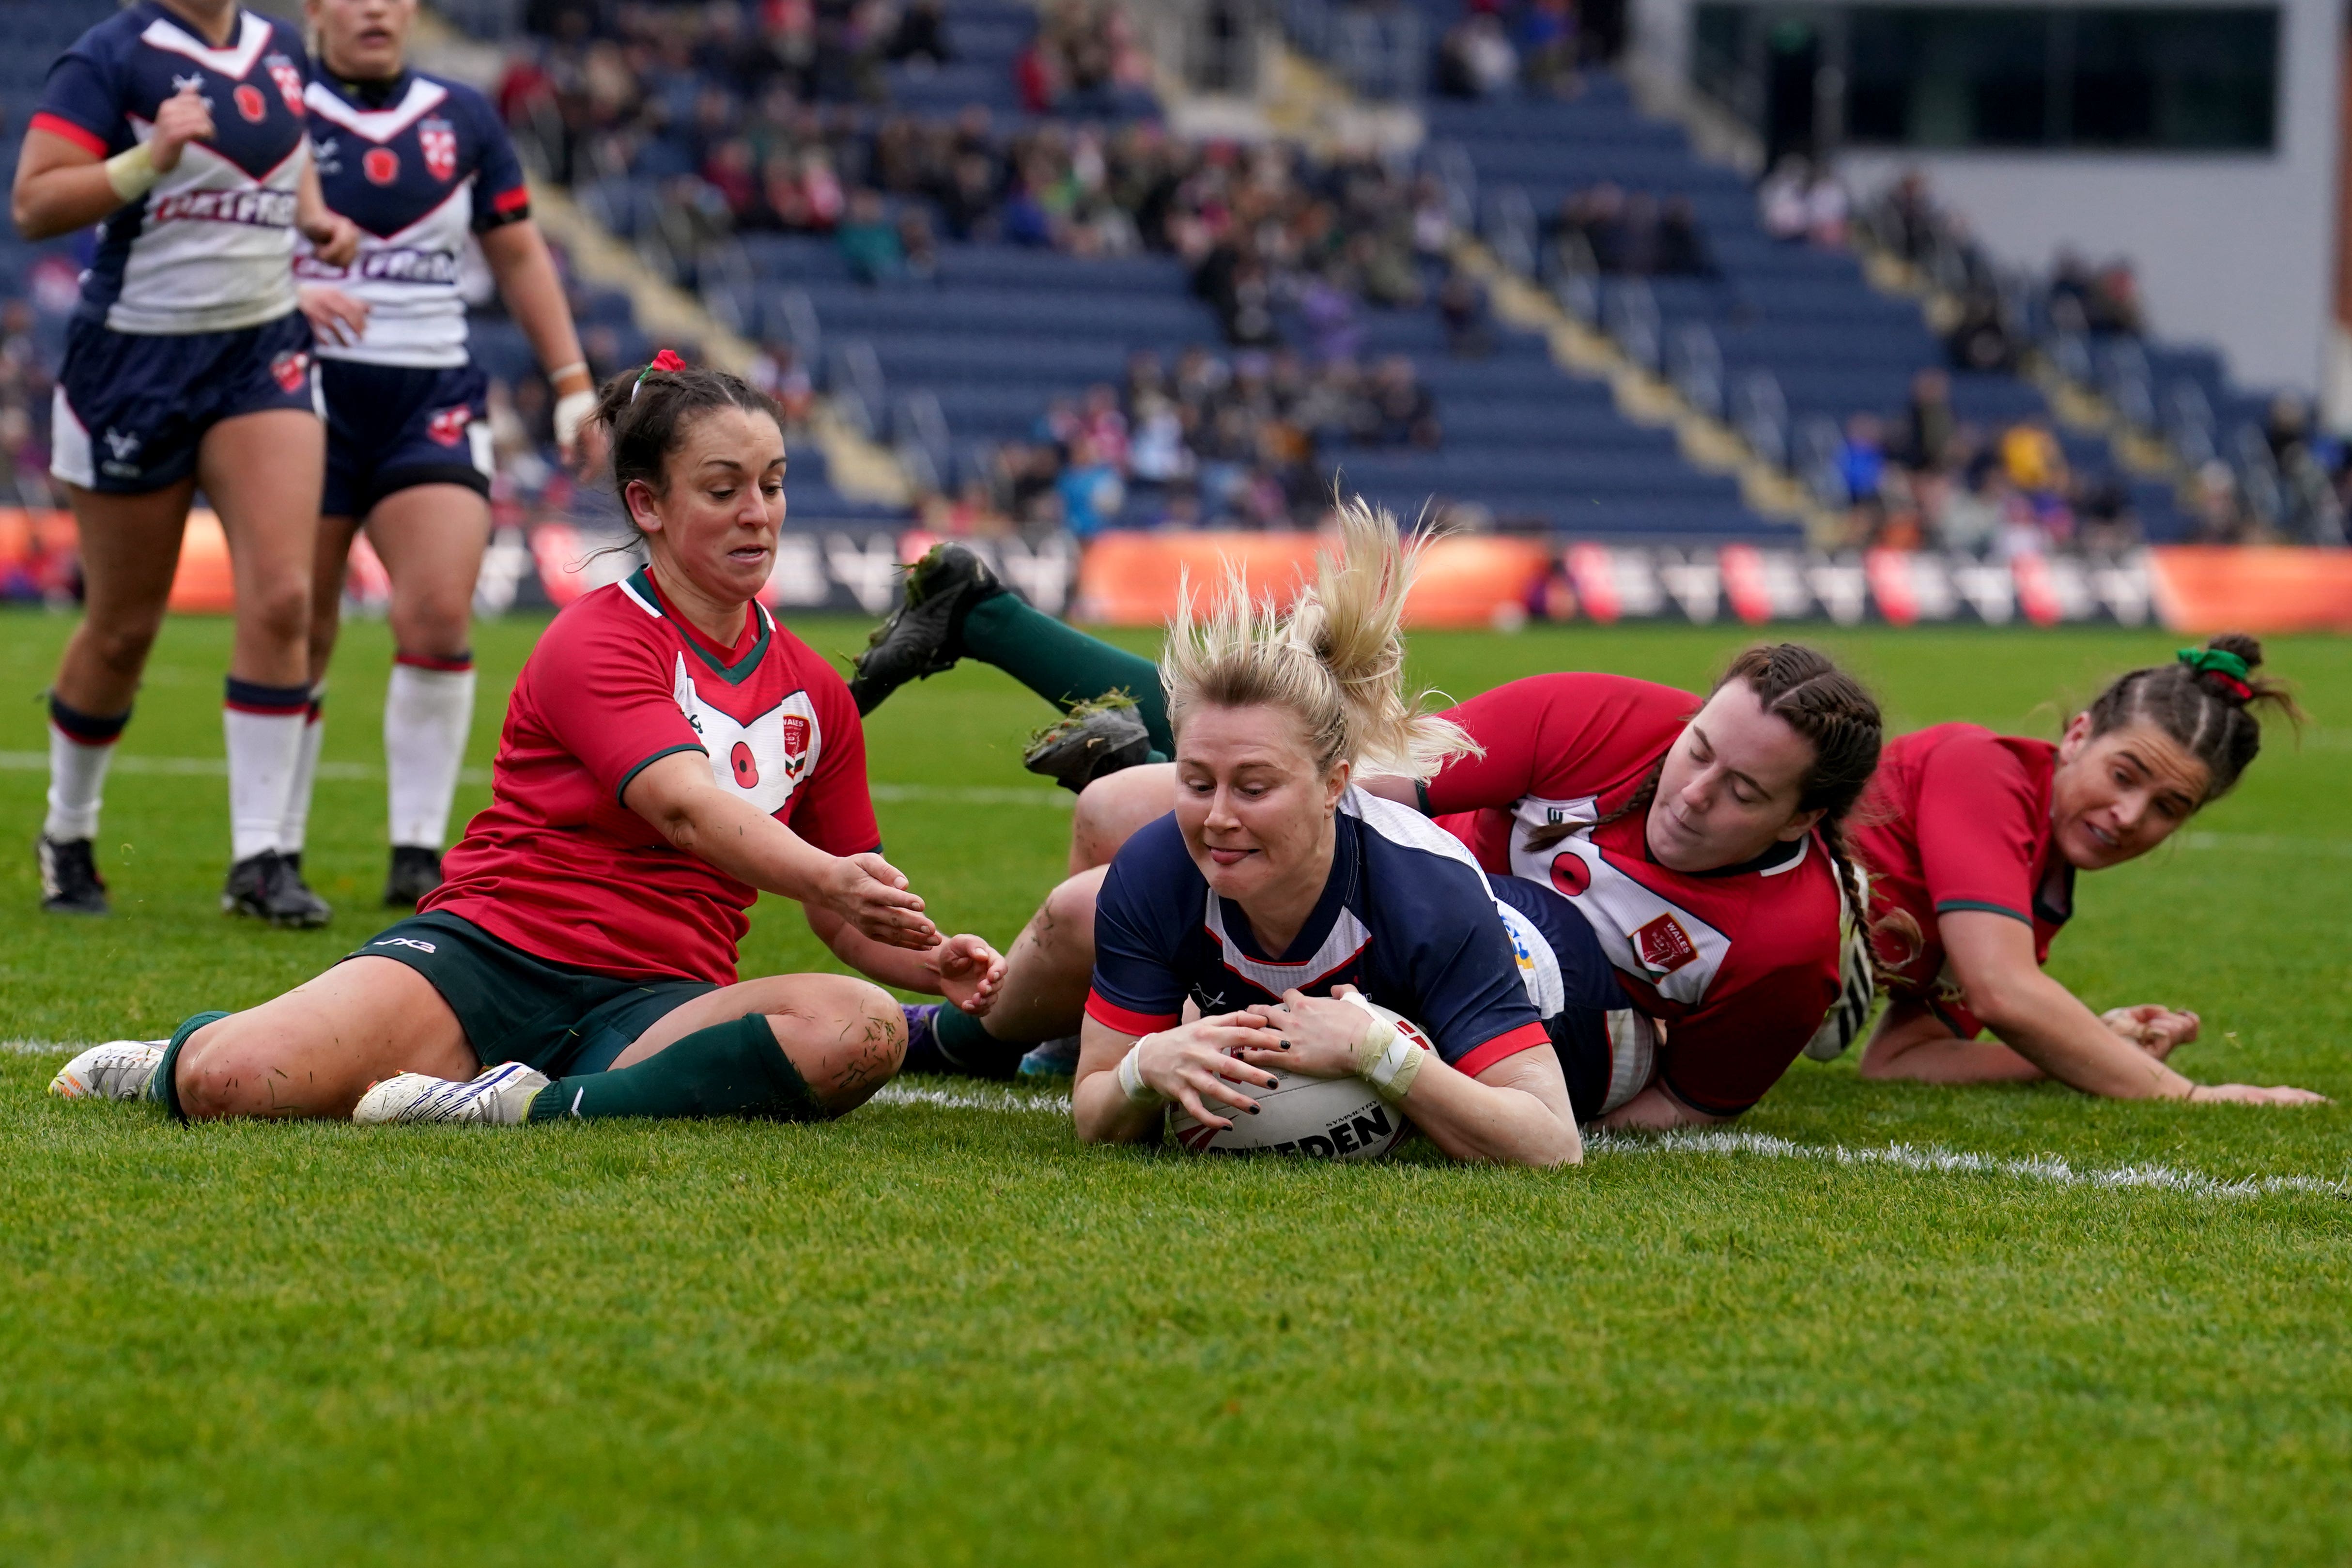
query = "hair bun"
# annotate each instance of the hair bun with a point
(2245, 646)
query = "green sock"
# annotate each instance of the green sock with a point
(164, 1084)
(1063, 665)
(969, 1046)
(728, 1069)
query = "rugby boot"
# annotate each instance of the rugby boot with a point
(924, 635)
(117, 1069)
(268, 886)
(1054, 1058)
(70, 884)
(416, 871)
(1090, 740)
(498, 1097)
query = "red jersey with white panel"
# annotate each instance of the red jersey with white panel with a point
(205, 250)
(1959, 820)
(1742, 962)
(558, 867)
(421, 165)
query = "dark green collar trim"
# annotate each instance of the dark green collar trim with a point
(732, 674)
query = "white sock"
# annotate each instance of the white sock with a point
(427, 714)
(77, 784)
(264, 726)
(292, 832)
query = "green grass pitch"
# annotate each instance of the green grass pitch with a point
(942, 1333)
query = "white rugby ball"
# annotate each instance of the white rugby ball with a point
(1315, 1118)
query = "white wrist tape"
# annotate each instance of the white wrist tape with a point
(1387, 1059)
(1130, 1078)
(571, 411)
(131, 173)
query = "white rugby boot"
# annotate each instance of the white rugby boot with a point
(117, 1069)
(498, 1097)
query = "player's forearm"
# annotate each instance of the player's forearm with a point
(527, 280)
(57, 201)
(1474, 1120)
(1100, 1108)
(743, 841)
(310, 210)
(886, 965)
(2050, 1028)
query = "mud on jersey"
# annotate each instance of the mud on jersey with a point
(420, 165)
(206, 249)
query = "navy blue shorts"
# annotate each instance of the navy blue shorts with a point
(1580, 1031)
(132, 408)
(392, 428)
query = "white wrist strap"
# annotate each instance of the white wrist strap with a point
(1386, 1057)
(1130, 1078)
(571, 411)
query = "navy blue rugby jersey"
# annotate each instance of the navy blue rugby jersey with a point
(420, 164)
(206, 249)
(1407, 918)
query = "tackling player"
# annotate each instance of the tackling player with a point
(669, 752)
(422, 165)
(1274, 885)
(1974, 840)
(179, 127)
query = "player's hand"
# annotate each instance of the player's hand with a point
(334, 316)
(871, 894)
(2252, 1094)
(1316, 1036)
(184, 116)
(2155, 1030)
(970, 972)
(1197, 1065)
(335, 238)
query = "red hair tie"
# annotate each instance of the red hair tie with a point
(665, 359)
(2232, 685)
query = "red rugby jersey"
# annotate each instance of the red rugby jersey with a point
(1741, 962)
(561, 869)
(1958, 818)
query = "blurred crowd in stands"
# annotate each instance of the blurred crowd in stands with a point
(1205, 441)
(1629, 234)
(1532, 46)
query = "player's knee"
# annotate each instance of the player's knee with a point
(1066, 922)
(864, 1036)
(432, 630)
(280, 611)
(122, 647)
(216, 1073)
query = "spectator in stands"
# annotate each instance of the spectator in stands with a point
(1548, 47)
(1930, 427)
(1682, 249)
(1462, 306)
(1631, 235)
(921, 34)
(1474, 58)
(1979, 338)
(868, 241)
(1404, 413)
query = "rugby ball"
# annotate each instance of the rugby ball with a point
(1314, 1118)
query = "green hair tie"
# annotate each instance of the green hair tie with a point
(2215, 661)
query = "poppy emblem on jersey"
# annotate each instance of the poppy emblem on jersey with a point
(1569, 874)
(438, 143)
(250, 103)
(382, 165)
(1664, 945)
(448, 426)
(288, 80)
(290, 369)
(746, 766)
(796, 740)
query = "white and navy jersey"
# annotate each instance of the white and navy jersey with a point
(1407, 918)
(206, 251)
(419, 164)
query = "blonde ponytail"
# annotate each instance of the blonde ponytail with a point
(1336, 661)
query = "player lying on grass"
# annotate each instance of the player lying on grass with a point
(1974, 840)
(669, 750)
(1699, 841)
(1274, 885)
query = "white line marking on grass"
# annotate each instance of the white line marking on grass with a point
(2045, 1168)
(362, 772)
(2268, 844)
(971, 1099)
(39, 1048)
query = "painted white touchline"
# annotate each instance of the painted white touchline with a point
(362, 772)
(2267, 844)
(2048, 1169)
(2045, 1168)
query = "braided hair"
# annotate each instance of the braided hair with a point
(2204, 702)
(649, 411)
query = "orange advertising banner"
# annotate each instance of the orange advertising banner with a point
(1130, 579)
(2252, 588)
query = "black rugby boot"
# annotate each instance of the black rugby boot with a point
(416, 871)
(924, 635)
(70, 884)
(268, 886)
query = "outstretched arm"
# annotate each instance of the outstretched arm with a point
(964, 969)
(2042, 1024)
(677, 794)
